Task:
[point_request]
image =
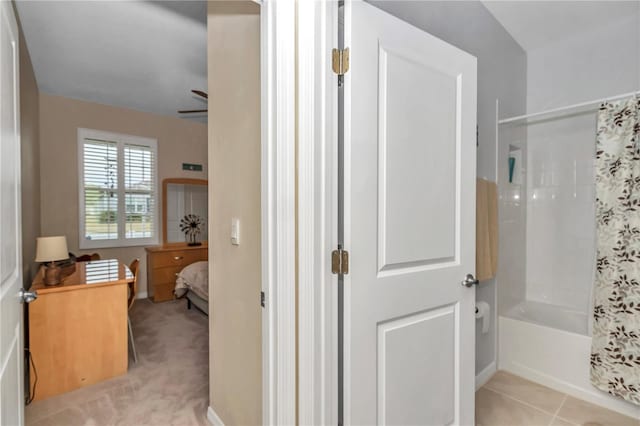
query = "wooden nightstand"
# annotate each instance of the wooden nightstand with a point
(164, 263)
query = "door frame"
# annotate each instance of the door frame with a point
(317, 212)
(317, 188)
(278, 222)
(299, 212)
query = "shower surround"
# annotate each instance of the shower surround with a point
(547, 256)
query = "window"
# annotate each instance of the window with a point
(118, 190)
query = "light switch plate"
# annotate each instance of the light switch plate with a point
(235, 231)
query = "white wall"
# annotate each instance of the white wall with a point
(587, 66)
(560, 181)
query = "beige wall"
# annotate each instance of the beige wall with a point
(234, 191)
(179, 141)
(30, 161)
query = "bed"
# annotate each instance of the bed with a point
(192, 283)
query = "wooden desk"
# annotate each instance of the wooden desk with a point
(78, 329)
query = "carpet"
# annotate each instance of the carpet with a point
(168, 386)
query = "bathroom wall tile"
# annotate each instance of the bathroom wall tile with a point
(560, 224)
(512, 221)
(511, 265)
(585, 173)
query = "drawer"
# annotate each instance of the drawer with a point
(163, 291)
(165, 275)
(177, 258)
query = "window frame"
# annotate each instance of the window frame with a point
(121, 140)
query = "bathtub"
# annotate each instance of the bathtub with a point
(551, 316)
(549, 345)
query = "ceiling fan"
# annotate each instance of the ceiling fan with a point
(191, 111)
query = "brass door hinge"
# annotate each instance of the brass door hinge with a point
(340, 61)
(340, 262)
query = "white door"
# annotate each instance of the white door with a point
(11, 333)
(409, 200)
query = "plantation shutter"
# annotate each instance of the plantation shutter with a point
(118, 190)
(139, 190)
(100, 185)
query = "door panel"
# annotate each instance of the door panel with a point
(403, 373)
(409, 223)
(11, 332)
(416, 101)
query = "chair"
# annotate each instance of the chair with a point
(133, 291)
(88, 257)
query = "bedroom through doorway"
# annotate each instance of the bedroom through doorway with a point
(128, 168)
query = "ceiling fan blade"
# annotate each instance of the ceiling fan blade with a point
(200, 93)
(189, 111)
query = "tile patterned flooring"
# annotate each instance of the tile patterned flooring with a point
(508, 400)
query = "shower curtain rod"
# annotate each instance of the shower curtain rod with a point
(567, 108)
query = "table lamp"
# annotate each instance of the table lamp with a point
(50, 249)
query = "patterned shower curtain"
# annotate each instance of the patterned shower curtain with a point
(615, 352)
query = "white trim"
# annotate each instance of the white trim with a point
(213, 417)
(121, 140)
(485, 375)
(142, 295)
(317, 213)
(347, 198)
(496, 280)
(306, 219)
(278, 211)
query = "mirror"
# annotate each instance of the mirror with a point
(182, 197)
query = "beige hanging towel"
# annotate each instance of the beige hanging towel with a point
(486, 229)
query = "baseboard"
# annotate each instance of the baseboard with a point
(213, 417)
(483, 377)
(142, 295)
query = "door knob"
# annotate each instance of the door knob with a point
(469, 280)
(27, 296)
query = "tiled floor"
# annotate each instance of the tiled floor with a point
(509, 400)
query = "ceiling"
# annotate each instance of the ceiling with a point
(535, 24)
(141, 55)
(148, 55)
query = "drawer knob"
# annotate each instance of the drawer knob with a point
(178, 257)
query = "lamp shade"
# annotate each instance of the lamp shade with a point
(51, 248)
